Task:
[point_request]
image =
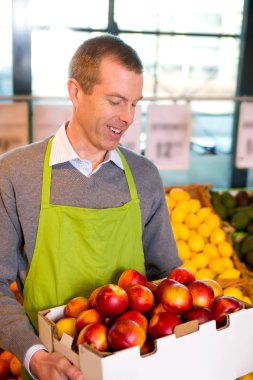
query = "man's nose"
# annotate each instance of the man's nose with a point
(127, 115)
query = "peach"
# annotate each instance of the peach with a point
(163, 284)
(92, 298)
(132, 277)
(95, 335)
(86, 317)
(140, 298)
(223, 306)
(202, 294)
(218, 291)
(126, 333)
(111, 300)
(4, 368)
(176, 298)
(158, 308)
(136, 316)
(182, 275)
(15, 366)
(75, 306)
(163, 324)
(67, 326)
(201, 314)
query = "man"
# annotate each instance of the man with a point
(75, 210)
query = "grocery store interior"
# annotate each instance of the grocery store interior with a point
(199, 56)
(198, 60)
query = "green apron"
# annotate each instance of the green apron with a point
(78, 249)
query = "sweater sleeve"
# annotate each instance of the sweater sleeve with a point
(16, 333)
(159, 245)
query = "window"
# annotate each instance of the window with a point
(5, 47)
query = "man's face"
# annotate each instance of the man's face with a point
(104, 115)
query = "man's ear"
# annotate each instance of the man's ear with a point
(73, 89)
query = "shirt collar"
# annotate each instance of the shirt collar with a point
(62, 151)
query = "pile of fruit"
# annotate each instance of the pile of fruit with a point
(202, 244)
(10, 366)
(237, 209)
(135, 312)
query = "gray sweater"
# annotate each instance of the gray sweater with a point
(20, 193)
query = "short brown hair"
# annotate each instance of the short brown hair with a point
(84, 65)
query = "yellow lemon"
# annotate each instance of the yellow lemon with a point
(189, 265)
(232, 291)
(203, 213)
(175, 230)
(183, 250)
(217, 265)
(183, 231)
(225, 249)
(196, 243)
(211, 250)
(217, 236)
(179, 194)
(213, 221)
(204, 273)
(194, 205)
(191, 221)
(184, 205)
(178, 215)
(170, 202)
(230, 273)
(228, 262)
(200, 260)
(204, 230)
(247, 300)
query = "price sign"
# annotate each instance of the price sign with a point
(131, 139)
(244, 149)
(13, 125)
(48, 118)
(168, 136)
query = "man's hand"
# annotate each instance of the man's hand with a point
(53, 366)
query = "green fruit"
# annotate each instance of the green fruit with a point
(249, 259)
(240, 220)
(247, 245)
(228, 200)
(242, 198)
(250, 227)
(221, 210)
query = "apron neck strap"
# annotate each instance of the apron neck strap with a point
(47, 173)
(129, 176)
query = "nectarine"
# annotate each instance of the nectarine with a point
(95, 335)
(131, 277)
(126, 333)
(111, 300)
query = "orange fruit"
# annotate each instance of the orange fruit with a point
(15, 366)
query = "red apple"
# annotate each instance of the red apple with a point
(163, 324)
(176, 298)
(126, 333)
(140, 298)
(95, 335)
(163, 284)
(223, 306)
(218, 291)
(201, 314)
(136, 316)
(75, 306)
(132, 277)
(87, 317)
(202, 294)
(182, 275)
(111, 300)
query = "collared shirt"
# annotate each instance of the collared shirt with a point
(62, 151)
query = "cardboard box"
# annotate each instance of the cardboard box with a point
(198, 352)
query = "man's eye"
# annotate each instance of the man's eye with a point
(114, 102)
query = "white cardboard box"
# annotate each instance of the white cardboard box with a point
(205, 354)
